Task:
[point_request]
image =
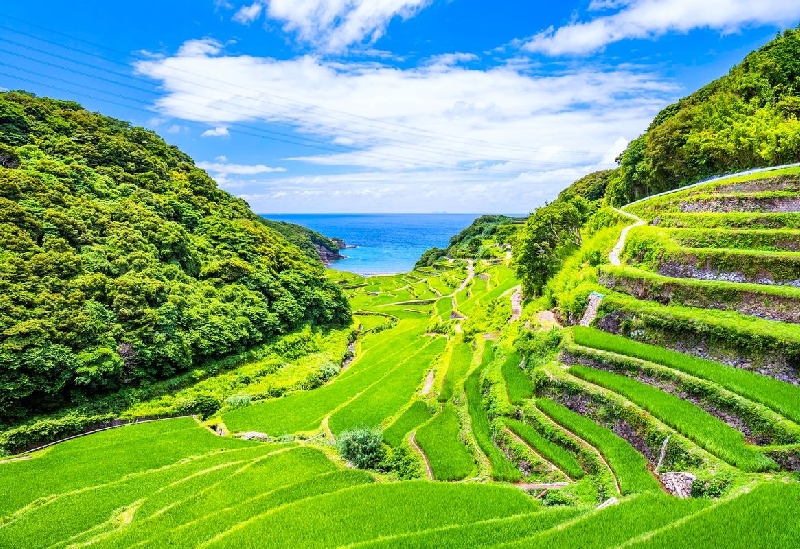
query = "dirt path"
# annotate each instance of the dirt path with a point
(519, 439)
(542, 486)
(548, 319)
(413, 439)
(470, 276)
(613, 257)
(591, 310)
(429, 383)
(516, 304)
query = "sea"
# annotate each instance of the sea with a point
(384, 243)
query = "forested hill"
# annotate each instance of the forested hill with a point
(746, 119)
(122, 262)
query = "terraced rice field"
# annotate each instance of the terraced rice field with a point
(677, 369)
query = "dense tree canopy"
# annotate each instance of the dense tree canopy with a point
(122, 262)
(746, 119)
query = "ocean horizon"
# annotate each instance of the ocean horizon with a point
(384, 243)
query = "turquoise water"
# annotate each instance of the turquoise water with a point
(386, 243)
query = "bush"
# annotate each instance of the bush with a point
(402, 461)
(204, 405)
(362, 447)
(238, 401)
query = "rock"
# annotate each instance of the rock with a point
(678, 484)
(326, 255)
(253, 435)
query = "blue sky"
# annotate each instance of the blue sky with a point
(385, 105)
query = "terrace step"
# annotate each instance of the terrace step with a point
(777, 303)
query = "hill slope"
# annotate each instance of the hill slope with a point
(121, 261)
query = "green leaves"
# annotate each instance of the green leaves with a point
(111, 239)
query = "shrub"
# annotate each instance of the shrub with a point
(238, 401)
(362, 447)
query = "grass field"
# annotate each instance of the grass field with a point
(460, 361)
(756, 519)
(688, 419)
(550, 451)
(385, 398)
(304, 411)
(518, 383)
(502, 468)
(440, 440)
(417, 414)
(628, 465)
(784, 398)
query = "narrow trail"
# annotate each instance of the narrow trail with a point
(591, 310)
(429, 383)
(613, 257)
(412, 438)
(470, 276)
(548, 319)
(516, 304)
(595, 298)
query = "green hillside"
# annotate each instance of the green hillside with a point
(628, 376)
(123, 263)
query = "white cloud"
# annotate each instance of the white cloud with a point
(452, 59)
(221, 158)
(333, 25)
(224, 169)
(653, 18)
(219, 131)
(200, 48)
(496, 139)
(248, 14)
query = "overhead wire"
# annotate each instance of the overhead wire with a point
(254, 112)
(406, 129)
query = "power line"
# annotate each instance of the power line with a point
(408, 130)
(410, 147)
(139, 108)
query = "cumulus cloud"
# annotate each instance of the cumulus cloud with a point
(224, 169)
(500, 139)
(248, 14)
(333, 25)
(219, 131)
(653, 18)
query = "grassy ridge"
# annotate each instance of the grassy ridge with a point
(415, 416)
(460, 361)
(305, 410)
(440, 440)
(384, 399)
(692, 292)
(784, 398)
(688, 419)
(733, 220)
(617, 524)
(502, 468)
(518, 383)
(629, 466)
(756, 519)
(376, 511)
(754, 338)
(487, 533)
(552, 452)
